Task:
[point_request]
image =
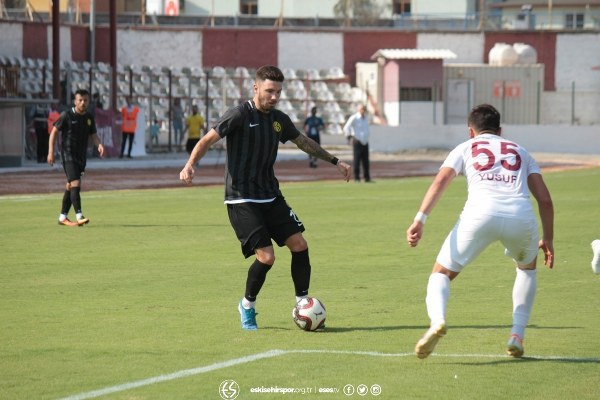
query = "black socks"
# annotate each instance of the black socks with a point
(301, 272)
(256, 277)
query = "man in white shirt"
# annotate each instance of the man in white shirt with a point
(357, 132)
(500, 175)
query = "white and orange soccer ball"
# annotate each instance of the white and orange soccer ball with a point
(309, 314)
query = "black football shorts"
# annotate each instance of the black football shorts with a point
(73, 170)
(255, 224)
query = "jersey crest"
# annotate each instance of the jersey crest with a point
(276, 127)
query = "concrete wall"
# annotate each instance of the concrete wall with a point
(535, 138)
(298, 50)
(567, 57)
(468, 47)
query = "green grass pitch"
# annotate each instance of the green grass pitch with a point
(141, 303)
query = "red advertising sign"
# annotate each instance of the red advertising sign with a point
(507, 89)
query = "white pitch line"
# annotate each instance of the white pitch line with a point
(175, 375)
(276, 353)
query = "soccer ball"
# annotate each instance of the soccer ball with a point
(309, 314)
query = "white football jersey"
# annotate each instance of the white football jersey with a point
(496, 170)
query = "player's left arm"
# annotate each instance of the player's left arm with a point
(540, 192)
(314, 149)
(98, 143)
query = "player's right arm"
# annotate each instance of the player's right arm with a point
(51, 142)
(199, 151)
(540, 192)
(433, 195)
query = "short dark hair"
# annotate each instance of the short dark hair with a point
(269, 72)
(82, 92)
(484, 117)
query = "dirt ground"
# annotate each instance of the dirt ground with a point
(383, 166)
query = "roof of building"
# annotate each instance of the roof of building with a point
(413, 54)
(544, 4)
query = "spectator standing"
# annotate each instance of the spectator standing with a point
(154, 132)
(193, 126)
(312, 125)
(357, 132)
(129, 114)
(40, 124)
(177, 121)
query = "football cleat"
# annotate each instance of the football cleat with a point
(428, 342)
(596, 259)
(67, 222)
(82, 221)
(514, 346)
(248, 317)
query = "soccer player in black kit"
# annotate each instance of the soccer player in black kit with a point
(76, 126)
(257, 210)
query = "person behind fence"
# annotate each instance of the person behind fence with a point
(76, 127)
(177, 121)
(312, 125)
(129, 114)
(154, 132)
(40, 123)
(357, 132)
(500, 176)
(193, 126)
(257, 210)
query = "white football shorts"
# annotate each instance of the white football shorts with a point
(473, 234)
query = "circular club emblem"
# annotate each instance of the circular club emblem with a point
(89, 122)
(277, 126)
(229, 389)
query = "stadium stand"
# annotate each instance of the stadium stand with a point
(218, 87)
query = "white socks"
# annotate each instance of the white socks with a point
(596, 259)
(298, 298)
(523, 297)
(438, 292)
(247, 304)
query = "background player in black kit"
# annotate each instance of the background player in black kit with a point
(76, 126)
(257, 210)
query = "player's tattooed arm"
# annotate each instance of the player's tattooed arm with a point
(312, 148)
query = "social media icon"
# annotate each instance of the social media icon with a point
(348, 390)
(375, 390)
(362, 390)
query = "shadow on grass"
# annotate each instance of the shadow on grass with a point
(339, 329)
(529, 359)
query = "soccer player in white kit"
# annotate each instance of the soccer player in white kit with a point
(500, 175)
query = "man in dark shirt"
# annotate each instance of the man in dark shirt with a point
(312, 125)
(76, 126)
(257, 210)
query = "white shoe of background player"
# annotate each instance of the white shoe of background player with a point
(596, 259)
